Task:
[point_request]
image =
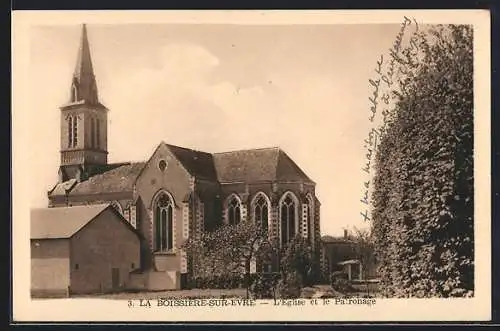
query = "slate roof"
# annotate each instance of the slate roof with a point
(197, 163)
(62, 222)
(62, 188)
(254, 165)
(120, 179)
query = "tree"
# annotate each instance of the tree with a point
(365, 250)
(296, 266)
(228, 250)
(423, 186)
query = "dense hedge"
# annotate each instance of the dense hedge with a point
(423, 187)
(218, 282)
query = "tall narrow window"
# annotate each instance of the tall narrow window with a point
(288, 219)
(70, 131)
(92, 132)
(234, 211)
(98, 133)
(310, 219)
(163, 223)
(260, 212)
(75, 131)
(74, 93)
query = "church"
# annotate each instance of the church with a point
(178, 192)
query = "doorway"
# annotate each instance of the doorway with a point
(115, 279)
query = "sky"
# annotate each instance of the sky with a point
(217, 88)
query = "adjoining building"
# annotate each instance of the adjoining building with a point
(343, 255)
(334, 251)
(84, 249)
(178, 192)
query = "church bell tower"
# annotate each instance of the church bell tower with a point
(83, 121)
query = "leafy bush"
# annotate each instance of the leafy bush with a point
(342, 285)
(339, 281)
(264, 285)
(297, 260)
(217, 282)
(423, 188)
(290, 287)
(228, 250)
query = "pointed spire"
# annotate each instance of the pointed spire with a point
(84, 87)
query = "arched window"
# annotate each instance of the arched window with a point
(92, 132)
(163, 217)
(288, 217)
(234, 211)
(70, 131)
(310, 218)
(74, 93)
(75, 131)
(261, 211)
(98, 133)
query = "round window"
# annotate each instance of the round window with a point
(162, 165)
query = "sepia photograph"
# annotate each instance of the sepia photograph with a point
(239, 162)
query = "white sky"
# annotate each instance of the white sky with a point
(221, 87)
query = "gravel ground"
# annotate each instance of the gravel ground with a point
(194, 293)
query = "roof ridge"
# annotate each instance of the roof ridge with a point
(126, 162)
(188, 149)
(46, 222)
(92, 205)
(249, 149)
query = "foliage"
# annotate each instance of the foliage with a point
(339, 281)
(222, 259)
(228, 250)
(297, 259)
(226, 281)
(365, 249)
(342, 285)
(264, 285)
(423, 187)
(289, 287)
(296, 267)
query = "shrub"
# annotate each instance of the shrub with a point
(290, 287)
(225, 281)
(342, 285)
(264, 285)
(423, 197)
(339, 281)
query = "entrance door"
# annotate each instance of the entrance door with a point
(115, 278)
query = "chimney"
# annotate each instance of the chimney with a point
(345, 233)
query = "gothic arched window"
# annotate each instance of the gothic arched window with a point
(310, 218)
(234, 211)
(75, 131)
(70, 131)
(74, 93)
(261, 212)
(98, 133)
(92, 132)
(288, 218)
(163, 217)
